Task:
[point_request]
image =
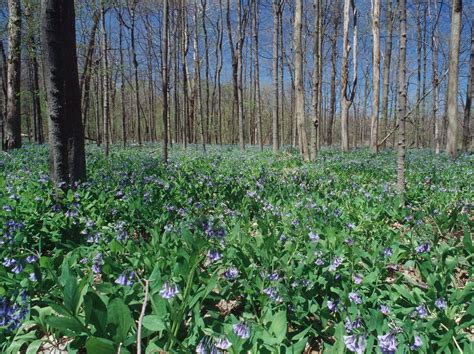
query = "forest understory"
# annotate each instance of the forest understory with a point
(230, 251)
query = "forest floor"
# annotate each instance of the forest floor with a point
(237, 251)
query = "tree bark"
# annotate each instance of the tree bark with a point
(469, 92)
(257, 75)
(275, 113)
(316, 80)
(165, 44)
(452, 94)
(13, 118)
(299, 108)
(375, 75)
(346, 100)
(66, 135)
(386, 65)
(402, 99)
(135, 71)
(332, 104)
(105, 80)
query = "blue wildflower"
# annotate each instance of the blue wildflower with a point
(125, 279)
(423, 248)
(223, 343)
(313, 236)
(422, 311)
(352, 325)
(335, 263)
(357, 279)
(169, 291)
(355, 298)
(319, 262)
(387, 252)
(355, 343)
(274, 276)
(332, 305)
(31, 258)
(385, 309)
(441, 304)
(18, 268)
(417, 343)
(213, 255)
(231, 273)
(242, 330)
(387, 343)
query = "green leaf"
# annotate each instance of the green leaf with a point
(34, 347)
(96, 312)
(100, 346)
(65, 324)
(120, 317)
(71, 294)
(279, 325)
(154, 323)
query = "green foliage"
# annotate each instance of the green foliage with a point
(261, 252)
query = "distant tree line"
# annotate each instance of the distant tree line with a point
(303, 73)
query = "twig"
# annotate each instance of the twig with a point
(413, 109)
(140, 320)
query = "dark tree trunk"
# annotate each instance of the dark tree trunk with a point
(66, 135)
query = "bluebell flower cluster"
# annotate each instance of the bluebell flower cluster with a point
(12, 314)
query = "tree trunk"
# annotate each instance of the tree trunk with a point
(105, 80)
(332, 104)
(375, 75)
(13, 118)
(402, 99)
(452, 94)
(275, 125)
(165, 39)
(386, 66)
(66, 135)
(86, 75)
(197, 77)
(469, 93)
(135, 72)
(299, 108)
(257, 75)
(316, 80)
(345, 79)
